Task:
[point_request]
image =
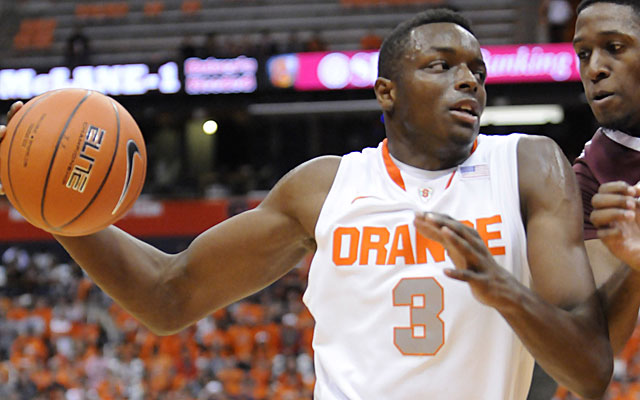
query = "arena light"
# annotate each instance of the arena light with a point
(210, 127)
(531, 114)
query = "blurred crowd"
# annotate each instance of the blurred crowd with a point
(62, 338)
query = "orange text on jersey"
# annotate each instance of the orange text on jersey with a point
(387, 247)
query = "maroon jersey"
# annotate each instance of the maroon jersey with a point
(609, 156)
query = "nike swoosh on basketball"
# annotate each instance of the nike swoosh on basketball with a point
(132, 149)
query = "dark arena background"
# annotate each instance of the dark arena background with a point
(230, 95)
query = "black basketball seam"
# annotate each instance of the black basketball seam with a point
(13, 136)
(106, 176)
(53, 157)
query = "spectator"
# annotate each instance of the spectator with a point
(315, 43)
(370, 41)
(210, 47)
(78, 50)
(556, 14)
(187, 48)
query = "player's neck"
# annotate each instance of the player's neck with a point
(429, 156)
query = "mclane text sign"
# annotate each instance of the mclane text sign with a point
(125, 79)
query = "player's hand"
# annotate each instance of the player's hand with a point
(616, 214)
(3, 128)
(473, 262)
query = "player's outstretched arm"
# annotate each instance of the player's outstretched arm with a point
(229, 261)
(560, 321)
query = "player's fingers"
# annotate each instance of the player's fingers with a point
(14, 109)
(460, 250)
(428, 228)
(619, 187)
(607, 233)
(609, 200)
(464, 275)
(636, 189)
(3, 130)
(467, 233)
(605, 217)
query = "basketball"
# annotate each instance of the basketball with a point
(72, 161)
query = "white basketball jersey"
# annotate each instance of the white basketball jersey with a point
(389, 324)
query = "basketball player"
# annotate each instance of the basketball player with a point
(607, 43)
(397, 316)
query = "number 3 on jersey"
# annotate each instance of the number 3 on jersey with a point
(425, 299)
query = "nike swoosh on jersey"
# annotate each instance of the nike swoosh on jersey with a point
(364, 197)
(132, 149)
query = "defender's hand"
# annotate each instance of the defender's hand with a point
(616, 214)
(3, 128)
(473, 262)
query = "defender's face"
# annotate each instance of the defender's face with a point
(607, 42)
(440, 89)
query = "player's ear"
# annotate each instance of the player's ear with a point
(385, 93)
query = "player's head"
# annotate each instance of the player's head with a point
(431, 79)
(607, 42)
(399, 40)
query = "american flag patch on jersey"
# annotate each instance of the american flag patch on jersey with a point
(474, 171)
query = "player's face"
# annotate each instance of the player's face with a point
(607, 42)
(440, 91)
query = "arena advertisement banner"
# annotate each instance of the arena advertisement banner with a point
(220, 75)
(526, 63)
(333, 70)
(147, 218)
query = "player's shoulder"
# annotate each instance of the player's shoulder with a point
(543, 169)
(301, 193)
(314, 172)
(536, 149)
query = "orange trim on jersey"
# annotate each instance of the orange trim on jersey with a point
(450, 179)
(392, 169)
(475, 146)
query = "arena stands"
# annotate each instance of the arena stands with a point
(153, 30)
(60, 333)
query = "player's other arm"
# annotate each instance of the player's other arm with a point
(570, 341)
(614, 214)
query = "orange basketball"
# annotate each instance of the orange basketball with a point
(73, 161)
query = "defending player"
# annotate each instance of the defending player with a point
(607, 43)
(396, 316)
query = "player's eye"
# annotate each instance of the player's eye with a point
(481, 75)
(583, 54)
(439, 65)
(614, 47)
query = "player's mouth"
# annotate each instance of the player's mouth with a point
(467, 111)
(602, 97)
